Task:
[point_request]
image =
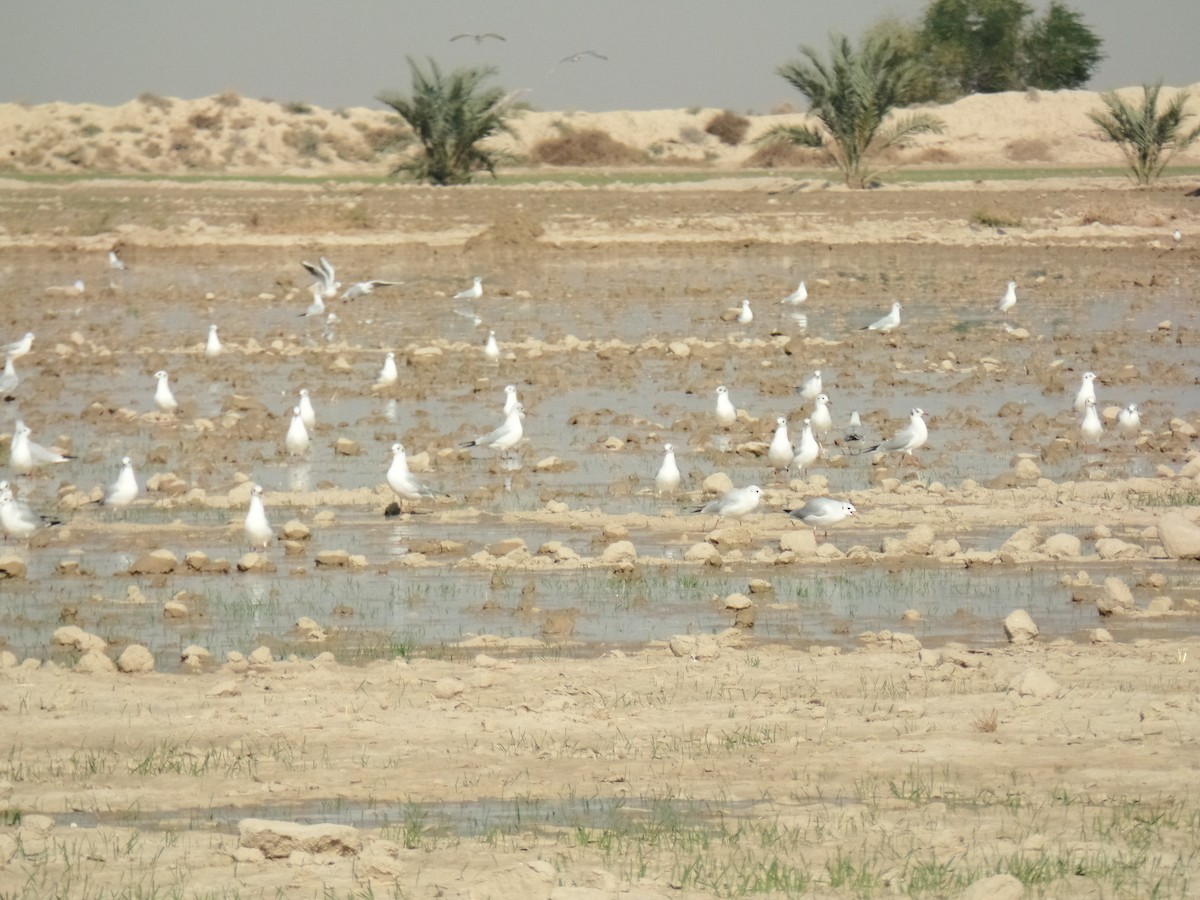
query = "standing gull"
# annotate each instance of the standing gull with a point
(821, 417)
(807, 451)
(212, 346)
(115, 262)
(308, 415)
(317, 307)
(25, 455)
(746, 315)
(733, 504)
(1090, 428)
(163, 398)
(912, 437)
(296, 441)
(799, 295)
(258, 529)
(124, 490)
(388, 374)
(510, 398)
(888, 322)
(474, 292)
(9, 379)
(821, 512)
(17, 349)
(1129, 421)
(812, 386)
(668, 477)
(780, 453)
(403, 482)
(726, 412)
(17, 520)
(505, 436)
(1087, 391)
(491, 350)
(1009, 300)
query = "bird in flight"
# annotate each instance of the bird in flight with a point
(576, 57)
(478, 37)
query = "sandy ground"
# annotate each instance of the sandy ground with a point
(714, 765)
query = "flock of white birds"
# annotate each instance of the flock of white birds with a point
(18, 520)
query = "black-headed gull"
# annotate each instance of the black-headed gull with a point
(888, 322)
(163, 398)
(821, 512)
(667, 479)
(505, 436)
(726, 411)
(212, 346)
(474, 292)
(403, 482)
(258, 528)
(820, 417)
(812, 386)
(362, 288)
(1090, 427)
(1086, 392)
(854, 431)
(807, 450)
(780, 453)
(17, 520)
(296, 440)
(324, 273)
(1129, 420)
(733, 504)
(25, 455)
(1009, 300)
(909, 438)
(124, 490)
(799, 295)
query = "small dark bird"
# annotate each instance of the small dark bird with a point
(478, 37)
(576, 57)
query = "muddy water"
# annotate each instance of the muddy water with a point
(95, 356)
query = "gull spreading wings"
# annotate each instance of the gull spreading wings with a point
(576, 57)
(478, 37)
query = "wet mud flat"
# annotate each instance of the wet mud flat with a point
(550, 579)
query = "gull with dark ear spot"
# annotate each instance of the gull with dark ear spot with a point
(406, 485)
(733, 504)
(821, 512)
(17, 520)
(25, 455)
(912, 437)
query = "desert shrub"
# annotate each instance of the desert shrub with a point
(228, 99)
(1028, 150)
(304, 141)
(151, 149)
(241, 123)
(127, 127)
(155, 101)
(728, 127)
(934, 156)
(383, 139)
(990, 218)
(588, 147)
(297, 107)
(782, 155)
(105, 158)
(205, 120)
(691, 135)
(90, 130)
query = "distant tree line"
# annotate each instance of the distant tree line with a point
(960, 47)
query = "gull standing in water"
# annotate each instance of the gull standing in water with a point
(726, 411)
(820, 417)
(124, 490)
(912, 437)
(258, 529)
(746, 315)
(404, 483)
(1087, 391)
(17, 520)
(1009, 300)
(24, 455)
(308, 415)
(17, 349)
(1090, 428)
(362, 288)
(1129, 421)
(163, 397)
(799, 295)
(474, 292)
(326, 284)
(9, 379)
(807, 451)
(780, 453)
(388, 374)
(212, 347)
(733, 504)
(668, 477)
(888, 322)
(812, 386)
(510, 398)
(491, 350)
(504, 437)
(821, 512)
(296, 441)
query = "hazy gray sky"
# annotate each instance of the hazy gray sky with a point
(661, 53)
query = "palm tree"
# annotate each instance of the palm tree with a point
(1147, 138)
(450, 115)
(851, 97)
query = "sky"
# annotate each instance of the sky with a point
(660, 53)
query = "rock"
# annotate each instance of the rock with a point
(12, 566)
(261, 657)
(333, 559)
(135, 660)
(1027, 469)
(1062, 546)
(1179, 536)
(621, 551)
(506, 546)
(196, 653)
(695, 646)
(718, 484)
(1115, 548)
(1116, 597)
(344, 446)
(173, 609)
(802, 542)
(761, 586)
(156, 562)
(996, 887)
(738, 601)
(1019, 628)
(295, 530)
(74, 636)
(733, 536)
(1033, 683)
(1160, 605)
(278, 840)
(703, 552)
(446, 688)
(255, 562)
(1100, 636)
(679, 349)
(94, 663)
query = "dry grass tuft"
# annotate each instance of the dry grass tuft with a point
(590, 147)
(987, 723)
(1029, 150)
(782, 155)
(728, 127)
